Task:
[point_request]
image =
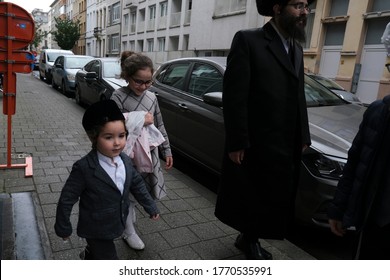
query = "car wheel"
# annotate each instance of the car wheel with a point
(48, 78)
(77, 96)
(63, 88)
(53, 84)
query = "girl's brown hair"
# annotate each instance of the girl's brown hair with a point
(131, 62)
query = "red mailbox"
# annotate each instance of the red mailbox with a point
(16, 33)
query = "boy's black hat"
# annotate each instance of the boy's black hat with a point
(265, 7)
(100, 113)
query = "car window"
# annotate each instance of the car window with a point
(111, 69)
(76, 62)
(52, 56)
(59, 60)
(174, 75)
(328, 82)
(88, 66)
(95, 67)
(204, 78)
(318, 95)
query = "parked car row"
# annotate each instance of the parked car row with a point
(64, 72)
(46, 62)
(189, 92)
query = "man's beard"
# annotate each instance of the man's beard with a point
(291, 26)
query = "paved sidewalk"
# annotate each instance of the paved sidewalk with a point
(47, 126)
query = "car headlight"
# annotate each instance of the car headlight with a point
(71, 77)
(321, 165)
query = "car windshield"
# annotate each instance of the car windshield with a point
(318, 95)
(111, 69)
(327, 82)
(53, 56)
(77, 62)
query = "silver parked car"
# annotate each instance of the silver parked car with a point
(189, 92)
(336, 88)
(64, 72)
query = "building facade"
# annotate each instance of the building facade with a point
(345, 45)
(343, 42)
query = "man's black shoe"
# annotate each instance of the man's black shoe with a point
(252, 250)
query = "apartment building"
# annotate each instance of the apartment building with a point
(343, 41)
(178, 28)
(41, 20)
(345, 45)
(96, 23)
(78, 13)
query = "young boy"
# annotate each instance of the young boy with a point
(101, 181)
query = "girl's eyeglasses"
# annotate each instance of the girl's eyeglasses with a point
(139, 82)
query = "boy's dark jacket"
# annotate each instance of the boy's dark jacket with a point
(102, 209)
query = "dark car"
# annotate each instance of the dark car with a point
(97, 80)
(336, 88)
(64, 72)
(189, 92)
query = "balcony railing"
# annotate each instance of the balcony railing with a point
(97, 31)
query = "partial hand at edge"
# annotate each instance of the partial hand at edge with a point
(337, 227)
(237, 156)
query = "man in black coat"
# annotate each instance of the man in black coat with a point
(362, 198)
(266, 126)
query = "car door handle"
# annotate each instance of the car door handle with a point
(182, 106)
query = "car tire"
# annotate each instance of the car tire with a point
(48, 77)
(53, 84)
(77, 96)
(63, 88)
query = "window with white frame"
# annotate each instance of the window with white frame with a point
(225, 7)
(125, 26)
(126, 19)
(132, 45)
(114, 43)
(152, 12)
(161, 44)
(163, 9)
(133, 21)
(115, 13)
(150, 45)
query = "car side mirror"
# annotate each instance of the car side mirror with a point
(213, 98)
(91, 76)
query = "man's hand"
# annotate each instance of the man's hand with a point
(237, 157)
(337, 227)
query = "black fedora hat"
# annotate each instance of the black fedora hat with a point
(265, 7)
